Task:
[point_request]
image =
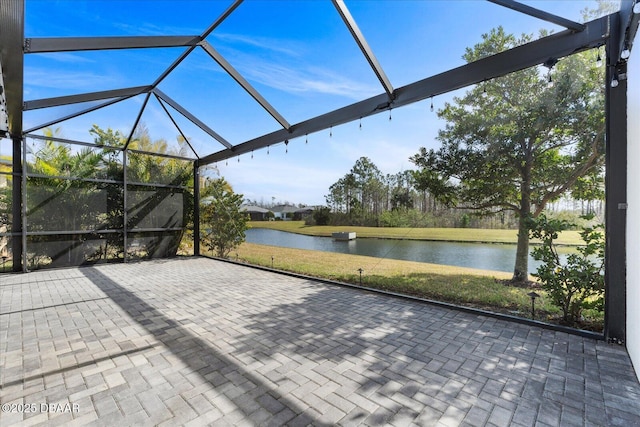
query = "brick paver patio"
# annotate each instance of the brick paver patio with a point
(201, 342)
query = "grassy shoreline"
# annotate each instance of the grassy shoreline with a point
(458, 285)
(483, 289)
(466, 235)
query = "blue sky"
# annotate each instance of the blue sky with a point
(297, 54)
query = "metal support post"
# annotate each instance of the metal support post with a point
(196, 208)
(125, 217)
(25, 226)
(16, 207)
(616, 191)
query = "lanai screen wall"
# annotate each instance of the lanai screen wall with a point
(84, 204)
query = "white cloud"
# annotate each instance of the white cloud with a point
(78, 81)
(66, 57)
(289, 66)
(150, 29)
(307, 79)
(282, 46)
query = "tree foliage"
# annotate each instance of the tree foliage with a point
(517, 143)
(223, 223)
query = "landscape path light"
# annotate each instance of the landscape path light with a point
(533, 296)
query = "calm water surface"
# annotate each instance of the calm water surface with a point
(475, 255)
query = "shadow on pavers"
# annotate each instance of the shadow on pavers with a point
(435, 356)
(201, 357)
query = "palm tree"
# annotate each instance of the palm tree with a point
(62, 196)
(165, 206)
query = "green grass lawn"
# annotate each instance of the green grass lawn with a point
(484, 289)
(477, 235)
(465, 286)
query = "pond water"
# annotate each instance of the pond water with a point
(474, 255)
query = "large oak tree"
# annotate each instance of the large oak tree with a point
(517, 143)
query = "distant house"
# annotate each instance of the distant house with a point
(256, 213)
(302, 213)
(284, 212)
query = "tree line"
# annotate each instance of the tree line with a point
(365, 196)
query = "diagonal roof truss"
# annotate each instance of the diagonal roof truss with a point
(575, 38)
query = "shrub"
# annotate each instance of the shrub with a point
(465, 221)
(222, 218)
(321, 216)
(579, 282)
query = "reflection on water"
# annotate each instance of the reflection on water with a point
(474, 255)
